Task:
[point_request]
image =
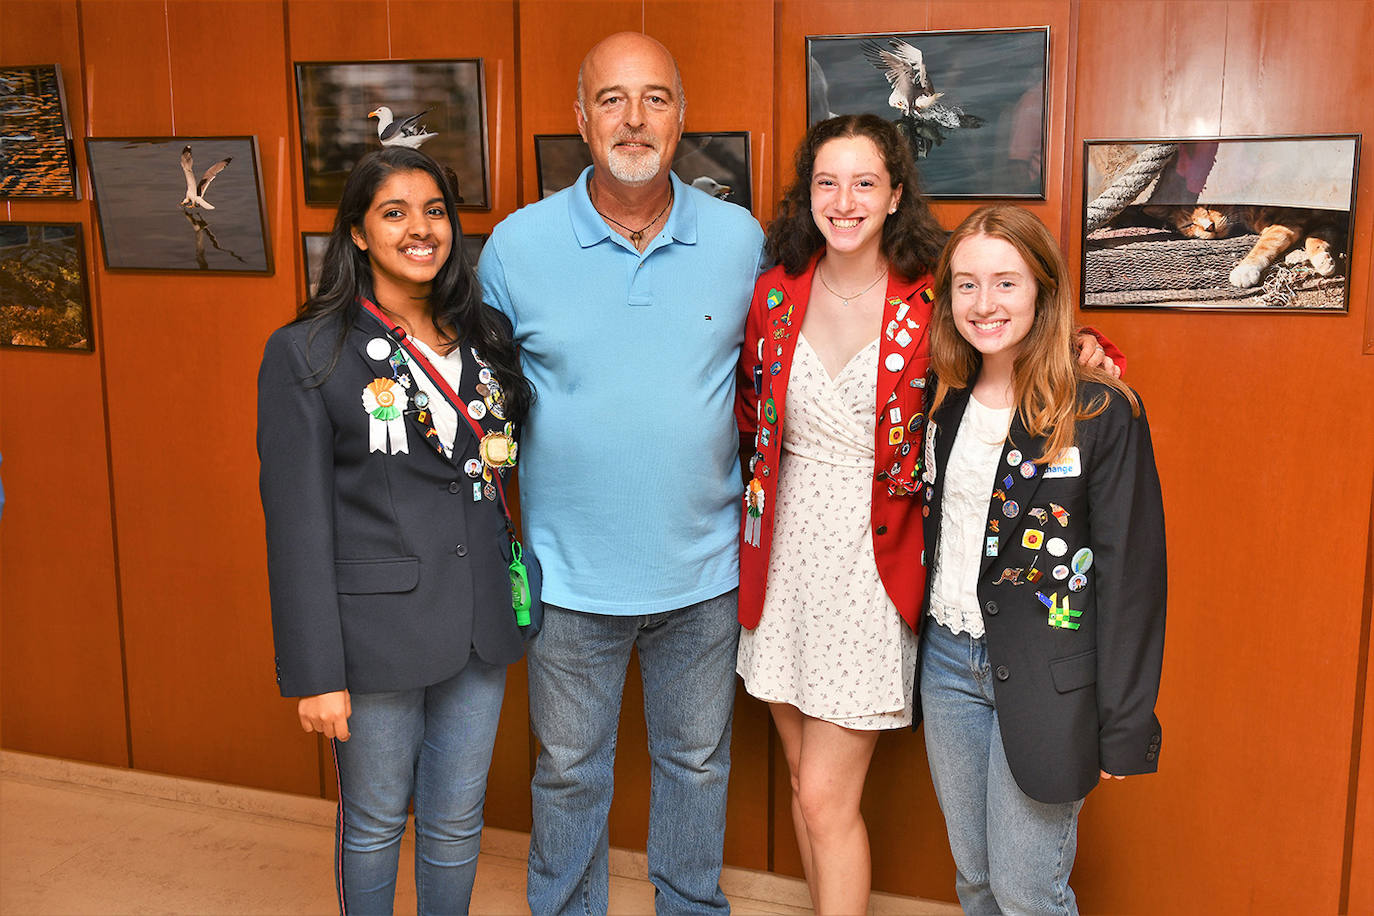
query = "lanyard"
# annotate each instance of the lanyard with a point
(401, 339)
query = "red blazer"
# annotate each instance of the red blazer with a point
(770, 342)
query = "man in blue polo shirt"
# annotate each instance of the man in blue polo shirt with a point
(628, 293)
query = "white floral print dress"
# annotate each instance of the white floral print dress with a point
(830, 642)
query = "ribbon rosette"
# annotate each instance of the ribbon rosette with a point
(385, 403)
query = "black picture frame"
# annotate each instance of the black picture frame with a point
(45, 300)
(335, 102)
(720, 157)
(138, 182)
(37, 157)
(1262, 223)
(998, 78)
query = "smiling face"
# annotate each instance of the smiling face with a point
(407, 235)
(992, 296)
(851, 194)
(630, 109)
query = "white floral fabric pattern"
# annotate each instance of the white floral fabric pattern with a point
(830, 642)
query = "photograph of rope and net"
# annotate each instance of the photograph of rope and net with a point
(1237, 223)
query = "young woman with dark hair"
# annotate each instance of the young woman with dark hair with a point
(387, 413)
(1040, 662)
(831, 571)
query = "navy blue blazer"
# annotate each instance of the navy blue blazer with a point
(1075, 639)
(384, 572)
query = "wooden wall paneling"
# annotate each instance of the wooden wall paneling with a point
(182, 352)
(722, 67)
(1254, 765)
(62, 687)
(1359, 856)
(554, 36)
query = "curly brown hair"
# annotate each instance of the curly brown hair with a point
(912, 238)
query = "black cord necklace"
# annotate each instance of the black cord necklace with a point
(636, 235)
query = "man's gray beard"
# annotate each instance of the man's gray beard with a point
(634, 169)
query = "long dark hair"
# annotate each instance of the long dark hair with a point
(455, 297)
(912, 238)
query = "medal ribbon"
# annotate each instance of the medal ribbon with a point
(401, 339)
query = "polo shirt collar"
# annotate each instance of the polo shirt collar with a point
(590, 228)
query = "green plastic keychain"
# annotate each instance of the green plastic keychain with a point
(519, 586)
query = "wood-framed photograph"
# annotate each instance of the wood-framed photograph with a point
(36, 154)
(44, 300)
(716, 162)
(190, 204)
(971, 103)
(348, 108)
(1235, 223)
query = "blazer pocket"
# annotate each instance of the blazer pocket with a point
(375, 577)
(1074, 671)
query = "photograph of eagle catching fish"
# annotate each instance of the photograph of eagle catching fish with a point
(970, 103)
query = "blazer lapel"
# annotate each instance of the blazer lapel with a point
(905, 326)
(1009, 510)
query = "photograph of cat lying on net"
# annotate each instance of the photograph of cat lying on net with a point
(1232, 223)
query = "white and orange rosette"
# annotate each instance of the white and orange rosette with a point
(385, 403)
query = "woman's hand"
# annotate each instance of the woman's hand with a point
(326, 713)
(1090, 353)
(1106, 775)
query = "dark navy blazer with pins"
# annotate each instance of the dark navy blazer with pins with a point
(1070, 702)
(384, 573)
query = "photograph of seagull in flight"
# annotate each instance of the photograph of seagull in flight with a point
(195, 190)
(970, 103)
(405, 132)
(924, 117)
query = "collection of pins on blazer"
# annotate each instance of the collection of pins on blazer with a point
(387, 401)
(903, 470)
(1071, 577)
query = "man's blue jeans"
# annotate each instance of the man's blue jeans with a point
(433, 743)
(577, 676)
(1013, 853)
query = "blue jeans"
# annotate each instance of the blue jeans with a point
(433, 743)
(1013, 853)
(577, 676)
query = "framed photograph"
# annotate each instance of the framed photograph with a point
(1239, 223)
(43, 297)
(313, 245)
(36, 155)
(180, 203)
(971, 103)
(715, 162)
(347, 109)
(472, 246)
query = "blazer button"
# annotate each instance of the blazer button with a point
(1151, 756)
(992, 608)
(881, 529)
(455, 487)
(1003, 672)
(461, 550)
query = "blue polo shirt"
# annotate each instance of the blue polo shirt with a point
(628, 466)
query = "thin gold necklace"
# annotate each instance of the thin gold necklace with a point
(636, 235)
(843, 298)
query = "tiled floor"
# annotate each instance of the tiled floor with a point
(77, 838)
